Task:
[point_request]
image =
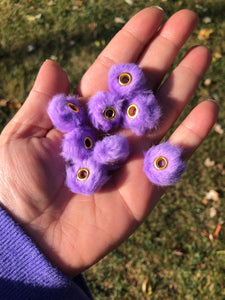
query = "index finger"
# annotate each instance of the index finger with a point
(125, 47)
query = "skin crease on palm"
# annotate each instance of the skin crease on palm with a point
(75, 231)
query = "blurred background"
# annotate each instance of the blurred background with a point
(179, 251)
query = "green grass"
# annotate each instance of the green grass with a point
(73, 33)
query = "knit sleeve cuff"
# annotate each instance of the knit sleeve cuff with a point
(25, 273)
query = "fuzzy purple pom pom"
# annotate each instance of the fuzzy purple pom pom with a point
(65, 112)
(141, 113)
(86, 176)
(163, 164)
(112, 151)
(79, 143)
(126, 79)
(105, 111)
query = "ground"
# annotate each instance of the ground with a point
(179, 251)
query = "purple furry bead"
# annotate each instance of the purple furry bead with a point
(141, 113)
(163, 164)
(112, 151)
(86, 177)
(78, 143)
(126, 79)
(65, 112)
(105, 111)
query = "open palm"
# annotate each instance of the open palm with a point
(74, 231)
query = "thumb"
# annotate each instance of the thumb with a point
(32, 119)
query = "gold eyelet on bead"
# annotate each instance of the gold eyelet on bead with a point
(132, 111)
(88, 143)
(125, 78)
(109, 113)
(161, 163)
(83, 174)
(73, 107)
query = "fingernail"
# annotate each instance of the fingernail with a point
(159, 7)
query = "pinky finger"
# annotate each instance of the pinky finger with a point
(194, 129)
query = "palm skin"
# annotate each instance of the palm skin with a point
(74, 231)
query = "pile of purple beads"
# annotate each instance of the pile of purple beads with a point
(90, 147)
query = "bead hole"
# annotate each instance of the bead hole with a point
(109, 113)
(161, 163)
(88, 143)
(74, 107)
(83, 174)
(125, 78)
(132, 111)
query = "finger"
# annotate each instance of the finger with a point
(193, 130)
(189, 135)
(125, 47)
(174, 94)
(162, 50)
(32, 119)
(180, 86)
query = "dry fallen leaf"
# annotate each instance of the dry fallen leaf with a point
(205, 33)
(92, 26)
(213, 212)
(218, 128)
(216, 56)
(129, 2)
(30, 18)
(205, 233)
(220, 252)
(119, 20)
(209, 163)
(207, 20)
(203, 8)
(205, 202)
(221, 168)
(146, 287)
(207, 82)
(15, 105)
(211, 237)
(51, 3)
(53, 57)
(215, 235)
(212, 195)
(3, 102)
(77, 5)
(217, 231)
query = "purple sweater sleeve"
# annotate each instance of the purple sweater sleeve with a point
(25, 273)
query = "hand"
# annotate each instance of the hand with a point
(74, 231)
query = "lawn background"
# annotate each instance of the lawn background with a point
(179, 251)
